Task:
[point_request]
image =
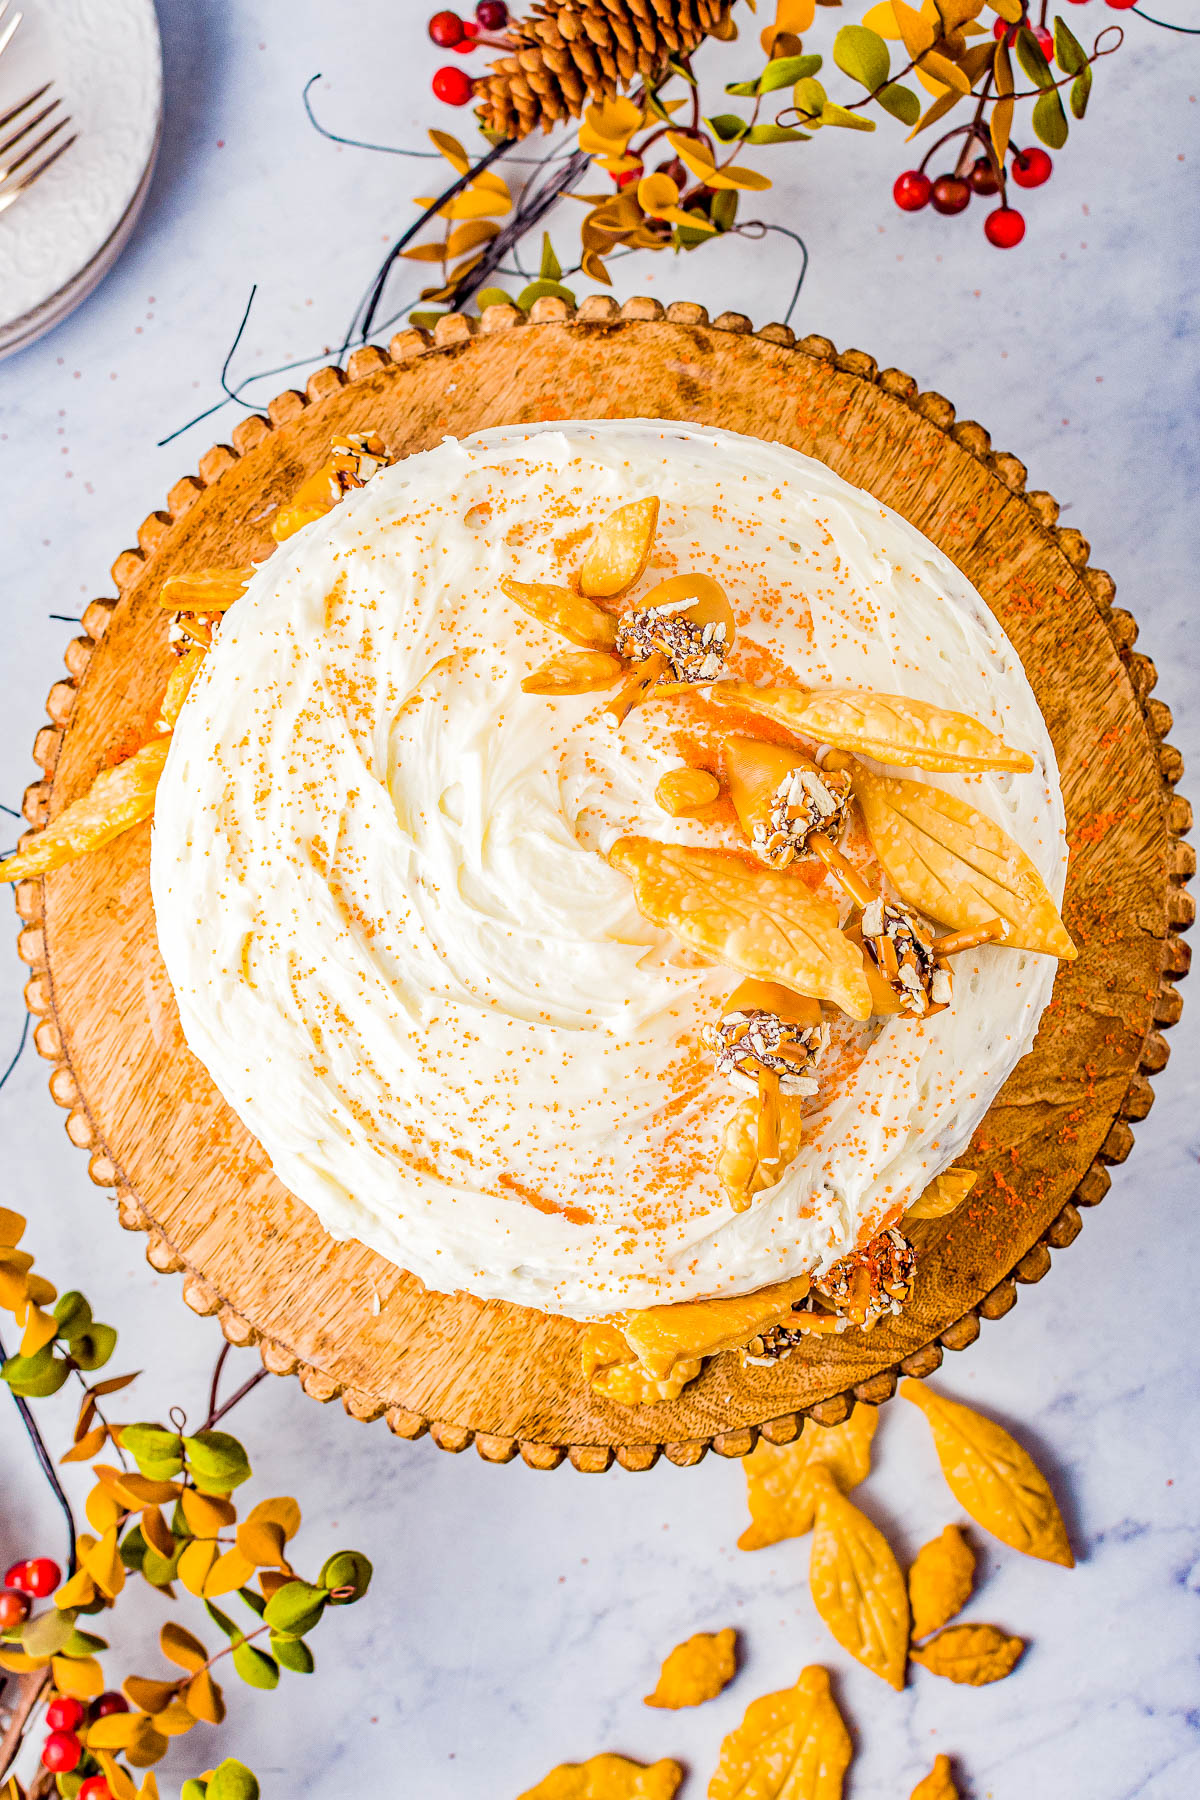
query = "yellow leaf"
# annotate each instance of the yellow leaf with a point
(195, 1564)
(79, 1676)
(119, 1784)
(492, 183)
(40, 1328)
(696, 1670)
(608, 1777)
(746, 180)
(940, 69)
(103, 1508)
(470, 236)
(657, 194)
(204, 1699)
(136, 1490)
(857, 1584)
(757, 921)
(592, 264)
(102, 1560)
(790, 1746)
(993, 1478)
(233, 1570)
(918, 34)
(945, 1194)
(1010, 11)
(39, 1290)
(692, 154)
(80, 1590)
(940, 1580)
(938, 1784)
(882, 20)
(956, 864)
(149, 1787)
(452, 150)
(174, 1720)
(150, 1696)
(158, 1533)
(473, 203)
(12, 1227)
(271, 1580)
(150, 1746)
(971, 1654)
(179, 1646)
(1004, 74)
(116, 1731)
(205, 1514)
(608, 126)
(1000, 125)
(17, 1663)
(282, 1512)
(431, 253)
(89, 1445)
(782, 1503)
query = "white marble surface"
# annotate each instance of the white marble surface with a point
(517, 1618)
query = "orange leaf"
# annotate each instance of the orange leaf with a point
(79, 1676)
(971, 1654)
(150, 1696)
(857, 1585)
(782, 1504)
(179, 1646)
(790, 1746)
(696, 1670)
(940, 1580)
(204, 1699)
(87, 1446)
(938, 1784)
(608, 1777)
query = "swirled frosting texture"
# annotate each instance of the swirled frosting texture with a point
(396, 945)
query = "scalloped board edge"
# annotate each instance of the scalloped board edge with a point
(599, 313)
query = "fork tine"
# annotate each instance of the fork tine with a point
(38, 144)
(27, 181)
(13, 111)
(24, 130)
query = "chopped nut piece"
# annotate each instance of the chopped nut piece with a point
(861, 1289)
(782, 798)
(686, 790)
(578, 672)
(766, 1026)
(619, 550)
(566, 611)
(686, 621)
(906, 959)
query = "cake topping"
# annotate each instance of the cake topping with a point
(353, 459)
(566, 611)
(872, 1284)
(767, 1027)
(578, 672)
(906, 958)
(782, 798)
(681, 631)
(682, 791)
(619, 550)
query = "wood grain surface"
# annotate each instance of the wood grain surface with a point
(186, 1172)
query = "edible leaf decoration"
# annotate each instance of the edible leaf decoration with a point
(938, 1784)
(990, 1475)
(971, 1654)
(608, 1777)
(782, 1503)
(890, 727)
(696, 1670)
(956, 865)
(857, 1584)
(940, 1580)
(757, 921)
(790, 1746)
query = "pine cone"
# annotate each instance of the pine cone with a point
(572, 51)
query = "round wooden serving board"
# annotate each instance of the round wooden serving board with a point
(351, 1325)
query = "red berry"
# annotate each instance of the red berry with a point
(1122, 5)
(1005, 228)
(1000, 29)
(64, 1713)
(630, 175)
(466, 47)
(1031, 167)
(492, 14)
(61, 1752)
(912, 190)
(446, 30)
(950, 194)
(454, 86)
(14, 1610)
(1045, 40)
(95, 1788)
(110, 1703)
(983, 176)
(41, 1577)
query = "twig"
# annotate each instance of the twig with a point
(1187, 30)
(216, 1379)
(527, 215)
(220, 1411)
(46, 1463)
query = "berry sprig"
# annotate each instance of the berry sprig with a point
(449, 31)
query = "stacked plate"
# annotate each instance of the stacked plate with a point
(62, 236)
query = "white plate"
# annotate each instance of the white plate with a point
(59, 239)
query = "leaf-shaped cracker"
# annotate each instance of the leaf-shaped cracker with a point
(990, 1475)
(659, 1335)
(696, 1670)
(955, 864)
(620, 549)
(790, 1746)
(574, 672)
(119, 798)
(971, 1654)
(608, 1777)
(782, 1504)
(940, 1580)
(945, 1193)
(938, 1784)
(612, 1368)
(758, 921)
(564, 610)
(890, 727)
(205, 590)
(857, 1584)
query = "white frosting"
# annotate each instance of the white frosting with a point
(397, 949)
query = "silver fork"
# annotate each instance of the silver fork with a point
(22, 162)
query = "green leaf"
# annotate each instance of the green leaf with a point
(157, 1453)
(729, 127)
(784, 71)
(1050, 121)
(158, 1570)
(1081, 88)
(217, 1461)
(810, 98)
(493, 296)
(296, 1606)
(46, 1634)
(551, 268)
(425, 320)
(254, 1601)
(346, 1569)
(221, 1620)
(293, 1654)
(851, 121)
(862, 55)
(656, 106)
(194, 1789)
(743, 89)
(901, 102)
(73, 1313)
(1029, 55)
(723, 210)
(255, 1667)
(775, 134)
(69, 1785)
(133, 1548)
(92, 1349)
(1069, 53)
(231, 1780)
(538, 289)
(35, 1377)
(84, 1643)
(682, 70)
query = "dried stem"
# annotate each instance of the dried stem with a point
(46, 1463)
